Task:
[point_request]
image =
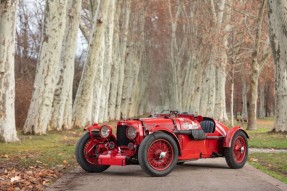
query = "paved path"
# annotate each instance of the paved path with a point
(204, 174)
(258, 150)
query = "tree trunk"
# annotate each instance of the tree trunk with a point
(137, 52)
(115, 64)
(133, 61)
(62, 113)
(255, 72)
(108, 63)
(195, 103)
(277, 13)
(209, 90)
(262, 111)
(220, 104)
(210, 84)
(232, 97)
(7, 80)
(123, 54)
(98, 87)
(105, 71)
(254, 95)
(174, 12)
(40, 110)
(245, 89)
(85, 90)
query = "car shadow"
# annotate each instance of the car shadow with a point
(136, 171)
(197, 166)
(127, 171)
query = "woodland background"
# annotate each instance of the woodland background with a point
(66, 64)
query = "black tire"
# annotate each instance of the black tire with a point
(169, 159)
(234, 157)
(80, 156)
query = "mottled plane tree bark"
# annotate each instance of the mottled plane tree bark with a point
(103, 77)
(137, 60)
(208, 98)
(84, 96)
(122, 58)
(277, 14)
(40, 110)
(115, 63)
(133, 59)
(62, 105)
(7, 80)
(257, 62)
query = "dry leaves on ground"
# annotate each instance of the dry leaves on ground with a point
(33, 178)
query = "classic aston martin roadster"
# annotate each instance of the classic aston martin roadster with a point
(160, 142)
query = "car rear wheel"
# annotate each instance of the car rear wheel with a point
(87, 151)
(158, 154)
(236, 155)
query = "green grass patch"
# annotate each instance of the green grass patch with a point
(273, 164)
(56, 148)
(262, 138)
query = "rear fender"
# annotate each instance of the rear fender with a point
(167, 131)
(230, 134)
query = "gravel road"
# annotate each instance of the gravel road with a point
(204, 174)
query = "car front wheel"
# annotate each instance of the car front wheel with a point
(87, 151)
(236, 155)
(158, 154)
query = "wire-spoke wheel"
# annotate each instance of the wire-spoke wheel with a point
(87, 151)
(158, 154)
(236, 155)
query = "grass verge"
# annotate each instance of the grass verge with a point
(263, 138)
(273, 164)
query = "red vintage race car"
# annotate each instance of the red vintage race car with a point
(160, 142)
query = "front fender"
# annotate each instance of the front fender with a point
(230, 134)
(170, 133)
(96, 127)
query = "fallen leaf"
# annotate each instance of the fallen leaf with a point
(45, 183)
(28, 156)
(254, 160)
(65, 162)
(15, 178)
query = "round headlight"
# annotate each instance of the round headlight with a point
(105, 131)
(131, 132)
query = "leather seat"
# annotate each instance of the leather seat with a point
(207, 126)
